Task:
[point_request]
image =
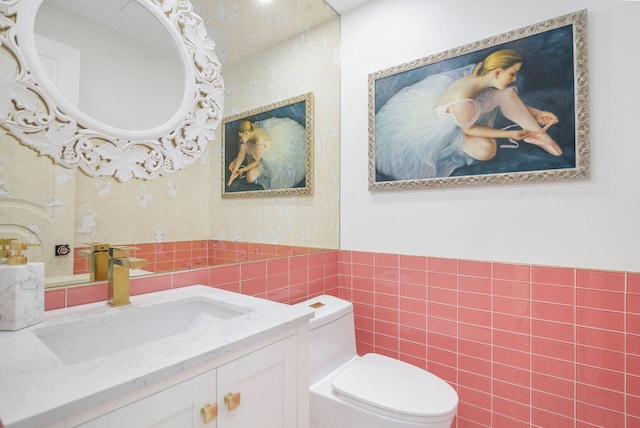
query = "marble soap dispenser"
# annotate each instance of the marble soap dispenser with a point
(21, 287)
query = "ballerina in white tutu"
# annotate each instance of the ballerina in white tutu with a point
(445, 121)
(275, 152)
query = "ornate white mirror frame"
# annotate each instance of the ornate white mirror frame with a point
(35, 112)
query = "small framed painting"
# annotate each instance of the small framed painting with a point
(512, 108)
(268, 151)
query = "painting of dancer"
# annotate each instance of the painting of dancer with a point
(268, 151)
(513, 111)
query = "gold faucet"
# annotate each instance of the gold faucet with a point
(16, 248)
(98, 254)
(119, 265)
(11, 251)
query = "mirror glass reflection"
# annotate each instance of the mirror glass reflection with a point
(76, 209)
(109, 58)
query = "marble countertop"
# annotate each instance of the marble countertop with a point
(37, 388)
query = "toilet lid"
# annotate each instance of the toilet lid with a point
(386, 385)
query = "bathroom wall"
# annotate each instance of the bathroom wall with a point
(524, 297)
(591, 224)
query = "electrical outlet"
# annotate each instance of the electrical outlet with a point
(62, 250)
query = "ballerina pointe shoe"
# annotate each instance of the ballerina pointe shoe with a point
(542, 139)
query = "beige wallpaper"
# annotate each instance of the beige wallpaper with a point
(172, 208)
(37, 203)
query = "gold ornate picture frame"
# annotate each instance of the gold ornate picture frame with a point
(268, 151)
(427, 128)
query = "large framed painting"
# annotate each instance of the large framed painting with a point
(512, 108)
(268, 151)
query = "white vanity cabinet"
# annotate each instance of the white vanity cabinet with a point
(259, 389)
(185, 349)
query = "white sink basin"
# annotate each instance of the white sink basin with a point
(93, 337)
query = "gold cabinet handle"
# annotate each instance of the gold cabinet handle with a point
(209, 412)
(232, 401)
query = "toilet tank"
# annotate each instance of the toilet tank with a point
(332, 335)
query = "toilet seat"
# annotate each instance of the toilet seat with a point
(395, 389)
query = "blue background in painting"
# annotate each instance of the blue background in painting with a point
(545, 81)
(296, 111)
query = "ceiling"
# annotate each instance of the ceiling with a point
(344, 6)
(240, 28)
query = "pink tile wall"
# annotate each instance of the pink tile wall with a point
(524, 346)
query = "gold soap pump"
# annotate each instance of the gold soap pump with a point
(14, 253)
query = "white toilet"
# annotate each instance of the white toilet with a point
(372, 391)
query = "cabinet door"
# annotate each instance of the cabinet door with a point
(265, 382)
(177, 406)
(204, 394)
(172, 407)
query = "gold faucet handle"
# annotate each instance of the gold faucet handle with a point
(20, 246)
(125, 247)
(96, 246)
(121, 251)
(134, 263)
(16, 257)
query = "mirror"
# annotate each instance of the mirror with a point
(46, 120)
(292, 48)
(129, 79)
